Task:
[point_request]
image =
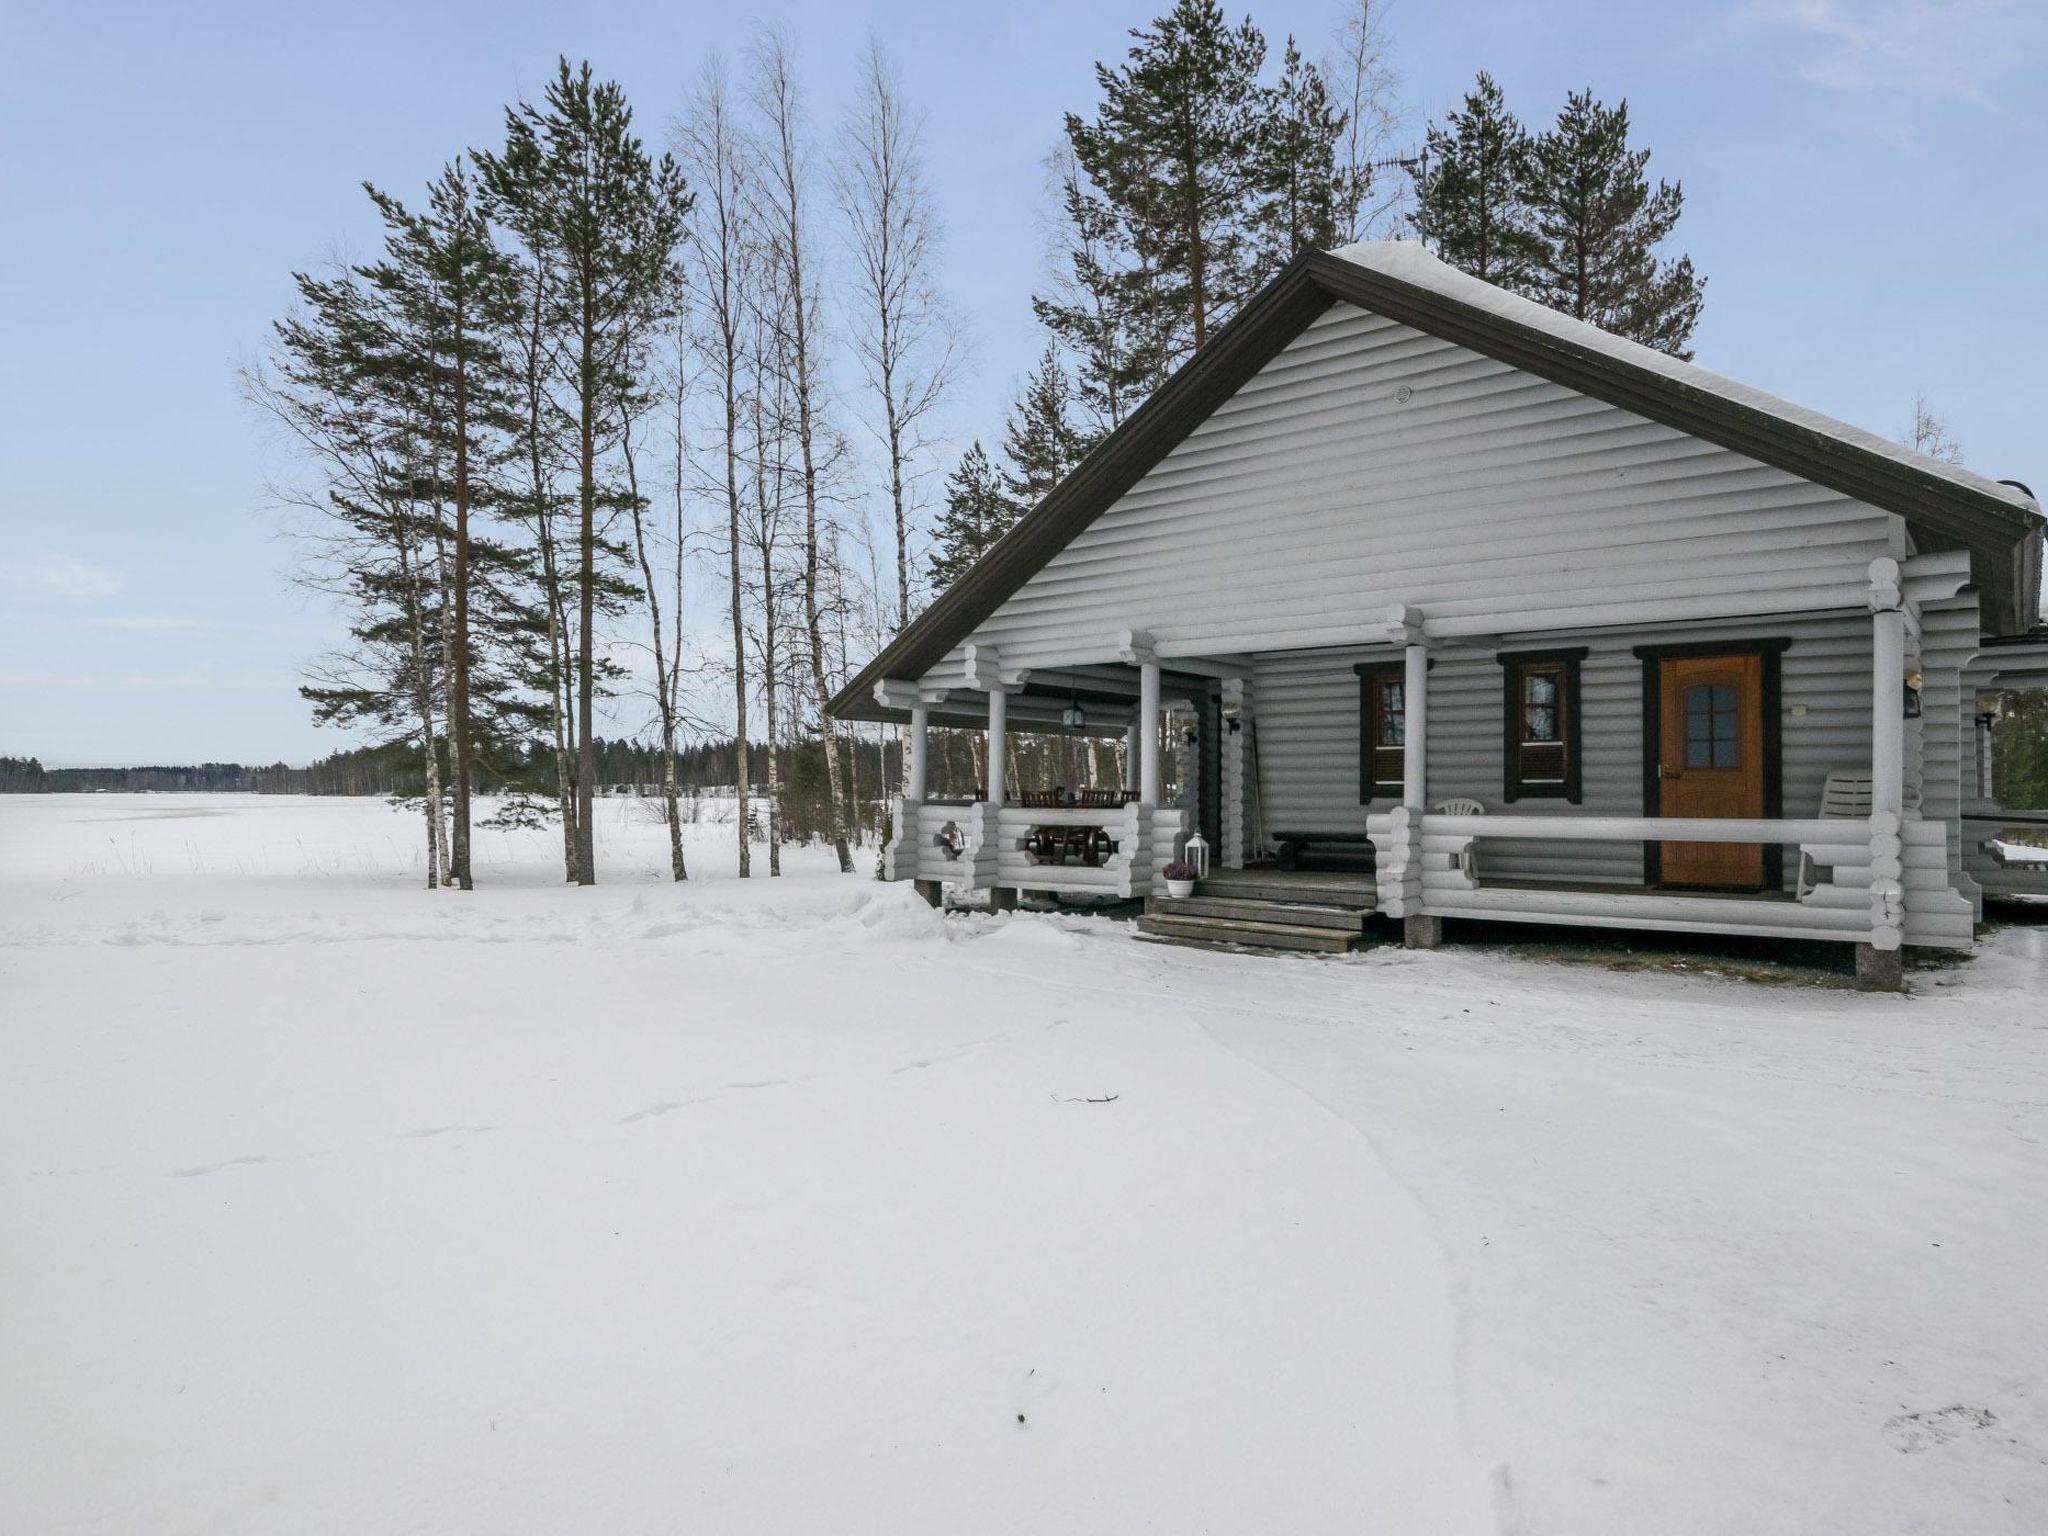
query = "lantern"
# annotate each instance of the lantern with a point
(1073, 717)
(1196, 852)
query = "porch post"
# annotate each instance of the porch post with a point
(1879, 964)
(1419, 930)
(1148, 725)
(998, 724)
(1133, 750)
(920, 717)
(1887, 695)
(1415, 736)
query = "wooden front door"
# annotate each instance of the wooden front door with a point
(1710, 762)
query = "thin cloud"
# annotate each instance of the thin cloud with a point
(62, 578)
(143, 621)
(1955, 49)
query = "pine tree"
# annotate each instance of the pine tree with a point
(1098, 304)
(610, 219)
(1600, 224)
(451, 296)
(1173, 152)
(977, 514)
(340, 383)
(1474, 207)
(1302, 190)
(1039, 438)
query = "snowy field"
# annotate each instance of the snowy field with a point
(335, 1205)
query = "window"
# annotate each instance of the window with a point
(1382, 728)
(1540, 725)
(1712, 727)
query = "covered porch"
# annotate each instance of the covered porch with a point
(1868, 867)
(1874, 866)
(1089, 840)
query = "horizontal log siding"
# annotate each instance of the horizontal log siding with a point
(1309, 747)
(1313, 499)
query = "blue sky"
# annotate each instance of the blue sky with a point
(1863, 190)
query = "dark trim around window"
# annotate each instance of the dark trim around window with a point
(1369, 674)
(1513, 785)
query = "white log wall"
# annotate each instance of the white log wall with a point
(1308, 737)
(1316, 497)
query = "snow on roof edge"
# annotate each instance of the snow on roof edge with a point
(1408, 262)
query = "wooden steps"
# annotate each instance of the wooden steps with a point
(1296, 913)
(1239, 909)
(1292, 887)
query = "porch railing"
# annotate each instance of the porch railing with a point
(978, 846)
(1887, 879)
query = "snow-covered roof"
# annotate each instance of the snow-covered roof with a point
(1406, 261)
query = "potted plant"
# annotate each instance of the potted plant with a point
(1180, 879)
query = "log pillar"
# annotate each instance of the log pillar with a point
(1148, 727)
(920, 719)
(998, 729)
(1887, 777)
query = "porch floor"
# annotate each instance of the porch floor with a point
(1634, 888)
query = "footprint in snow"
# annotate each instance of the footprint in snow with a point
(232, 1162)
(1911, 1433)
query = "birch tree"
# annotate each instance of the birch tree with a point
(762, 527)
(904, 336)
(710, 143)
(666, 651)
(1360, 72)
(785, 203)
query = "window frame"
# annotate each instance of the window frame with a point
(1514, 665)
(1371, 676)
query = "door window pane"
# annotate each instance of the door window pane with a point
(1393, 718)
(1711, 724)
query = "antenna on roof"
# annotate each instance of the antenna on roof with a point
(1416, 165)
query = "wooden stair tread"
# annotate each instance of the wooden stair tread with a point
(1256, 935)
(1361, 895)
(1245, 909)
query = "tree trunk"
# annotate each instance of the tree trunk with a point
(586, 761)
(423, 704)
(458, 670)
(739, 634)
(551, 576)
(664, 684)
(774, 727)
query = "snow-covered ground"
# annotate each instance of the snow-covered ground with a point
(335, 1205)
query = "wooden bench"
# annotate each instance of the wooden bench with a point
(1294, 848)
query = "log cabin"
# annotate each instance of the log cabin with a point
(1476, 611)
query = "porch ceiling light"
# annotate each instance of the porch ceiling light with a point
(1073, 717)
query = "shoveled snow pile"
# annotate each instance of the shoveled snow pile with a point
(335, 1205)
